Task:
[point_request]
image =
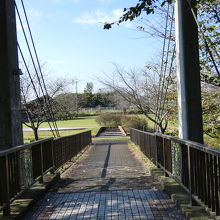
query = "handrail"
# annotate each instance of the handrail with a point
(23, 165)
(195, 166)
(72, 135)
(23, 147)
(193, 144)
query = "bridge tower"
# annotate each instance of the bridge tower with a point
(10, 107)
(188, 72)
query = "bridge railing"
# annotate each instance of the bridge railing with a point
(63, 150)
(195, 166)
(22, 166)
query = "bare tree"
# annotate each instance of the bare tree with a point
(39, 107)
(141, 89)
(156, 27)
(30, 105)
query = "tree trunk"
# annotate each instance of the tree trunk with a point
(36, 137)
(162, 128)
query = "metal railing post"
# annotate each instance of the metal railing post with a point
(194, 166)
(41, 180)
(6, 204)
(190, 175)
(52, 154)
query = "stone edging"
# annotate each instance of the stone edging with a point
(176, 192)
(180, 197)
(29, 197)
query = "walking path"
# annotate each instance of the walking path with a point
(108, 182)
(111, 132)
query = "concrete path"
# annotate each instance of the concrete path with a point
(108, 182)
(111, 132)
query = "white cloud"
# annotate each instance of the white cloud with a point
(98, 16)
(34, 12)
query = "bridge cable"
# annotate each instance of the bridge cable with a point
(39, 66)
(204, 38)
(30, 52)
(164, 87)
(32, 61)
(162, 64)
(34, 87)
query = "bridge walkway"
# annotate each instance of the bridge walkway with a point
(108, 182)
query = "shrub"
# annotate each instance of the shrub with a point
(109, 119)
(137, 122)
(126, 121)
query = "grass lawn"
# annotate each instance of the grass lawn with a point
(88, 122)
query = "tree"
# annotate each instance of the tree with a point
(35, 114)
(120, 102)
(149, 7)
(66, 105)
(141, 89)
(39, 107)
(89, 88)
(209, 21)
(142, 6)
(211, 110)
(209, 30)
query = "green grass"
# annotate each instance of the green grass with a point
(88, 122)
(29, 136)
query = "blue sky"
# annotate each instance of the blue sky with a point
(70, 38)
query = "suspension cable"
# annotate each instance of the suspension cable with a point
(162, 64)
(204, 38)
(39, 67)
(165, 102)
(29, 49)
(162, 93)
(34, 87)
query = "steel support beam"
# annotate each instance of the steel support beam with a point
(188, 73)
(10, 102)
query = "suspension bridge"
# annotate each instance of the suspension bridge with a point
(108, 180)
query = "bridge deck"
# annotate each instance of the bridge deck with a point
(108, 182)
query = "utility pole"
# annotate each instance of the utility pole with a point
(76, 95)
(188, 72)
(10, 101)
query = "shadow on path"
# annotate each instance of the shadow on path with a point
(108, 182)
(103, 175)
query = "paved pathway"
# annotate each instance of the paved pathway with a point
(111, 132)
(108, 182)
